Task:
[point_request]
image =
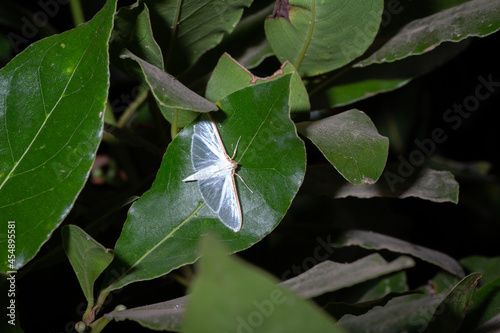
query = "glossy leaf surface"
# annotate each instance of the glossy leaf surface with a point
(52, 99)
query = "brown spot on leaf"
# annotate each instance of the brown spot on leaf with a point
(281, 9)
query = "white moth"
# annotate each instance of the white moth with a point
(215, 172)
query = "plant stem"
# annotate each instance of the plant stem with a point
(77, 12)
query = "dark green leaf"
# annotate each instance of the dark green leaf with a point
(320, 36)
(229, 295)
(374, 241)
(485, 305)
(87, 257)
(489, 267)
(427, 184)
(473, 18)
(189, 28)
(52, 98)
(164, 225)
(361, 83)
(351, 143)
(452, 309)
(408, 314)
(132, 31)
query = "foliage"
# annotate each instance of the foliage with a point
(96, 132)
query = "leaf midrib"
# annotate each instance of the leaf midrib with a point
(308, 38)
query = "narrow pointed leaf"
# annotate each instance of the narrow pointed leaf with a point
(229, 295)
(52, 99)
(161, 316)
(451, 312)
(164, 225)
(401, 314)
(374, 241)
(351, 143)
(320, 36)
(87, 256)
(330, 276)
(171, 94)
(485, 305)
(473, 18)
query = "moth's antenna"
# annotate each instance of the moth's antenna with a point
(236, 148)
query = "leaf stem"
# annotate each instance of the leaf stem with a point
(174, 129)
(77, 12)
(132, 108)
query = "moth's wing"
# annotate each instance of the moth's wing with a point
(206, 147)
(219, 193)
(230, 209)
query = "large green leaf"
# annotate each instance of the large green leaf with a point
(52, 99)
(229, 76)
(87, 257)
(473, 18)
(187, 29)
(350, 142)
(320, 36)
(229, 295)
(375, 241)
(164, 225)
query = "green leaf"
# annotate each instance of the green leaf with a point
(52, 98)
(474, 18)
(452, 309)
(163, 316)
(432, 185)
(132, 30)
(319, 279)
(402, 314)
(374, 241)
(489, 267)
(350, 142)
(87, 257)
(330, 276)
(187, 29)
(229, 76)
(320, 36)
(165, 224)
(229, 295)
(485, 305)
(171, 94)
